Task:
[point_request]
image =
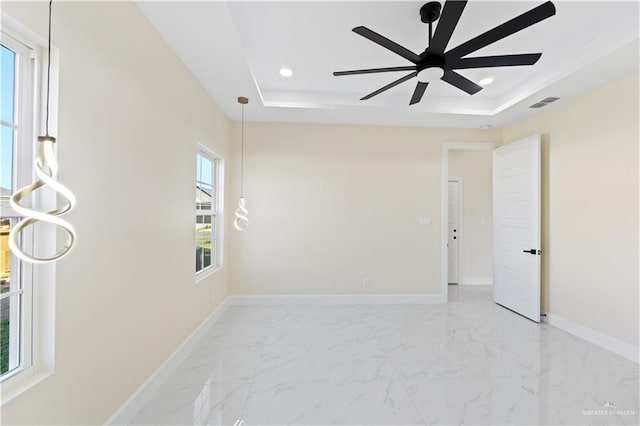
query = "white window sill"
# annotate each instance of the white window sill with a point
(21, 382)
(206, 273)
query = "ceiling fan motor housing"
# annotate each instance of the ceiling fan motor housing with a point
(430, 12)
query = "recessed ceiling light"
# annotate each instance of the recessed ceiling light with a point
(286, 72)
(486, 81)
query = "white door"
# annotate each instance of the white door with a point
(516, 226)
(453, 231)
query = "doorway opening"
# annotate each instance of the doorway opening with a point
(455, 220)
(467, 255)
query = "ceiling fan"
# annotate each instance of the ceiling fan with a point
(436, 63)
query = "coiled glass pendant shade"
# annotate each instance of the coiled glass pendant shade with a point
(46, 169)
(242, 220)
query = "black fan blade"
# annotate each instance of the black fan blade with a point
(462, 83)
(495, 61)
(390, 85)
(446, 24)
(417, 94)
(374, 70)
(521, 22)
(387, 44)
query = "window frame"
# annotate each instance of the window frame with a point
(217, 219)
(37, 322)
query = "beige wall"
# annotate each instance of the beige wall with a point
(332, 205)
(590, 214)
(475, 168)
(130, 117)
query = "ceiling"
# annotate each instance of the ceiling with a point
(237, 48)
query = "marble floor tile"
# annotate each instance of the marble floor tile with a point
(244, 315)
(469, 294)
(480, 311)
(236, 333)
(206, 364)
(562, 354)
(470, 361)
(301, 333)
(604, 398)
(424, 361)
(410, 327)
(324, 315)
(340, 362)
(525, 400)
(219, 404)
(323, 403)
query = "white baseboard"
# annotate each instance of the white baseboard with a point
(339, 299)
(597, 338)
(476, 281)
(126, 413)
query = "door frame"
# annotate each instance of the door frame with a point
(460, 235)
(446, 147)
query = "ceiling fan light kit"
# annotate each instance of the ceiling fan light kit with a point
(436, 63)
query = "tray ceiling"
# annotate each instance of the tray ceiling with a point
(237, 48)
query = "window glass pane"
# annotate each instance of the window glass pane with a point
(5, 256)
(203, 199)
(7, 80)
(198, 167)
(205, 210)
(207, 172)
(214, 246)
(9, 306)
(203, 241)
(6, 161)
(207, 256)
(204, 188)
(9, 321)
(4, 335)
(199, 248)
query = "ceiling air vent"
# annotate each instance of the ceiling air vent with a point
(544, 102)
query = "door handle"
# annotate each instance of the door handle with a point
(532, 251)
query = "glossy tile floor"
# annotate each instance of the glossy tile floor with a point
(467, 362)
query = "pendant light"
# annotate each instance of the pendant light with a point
(242, 215)
(46, 169)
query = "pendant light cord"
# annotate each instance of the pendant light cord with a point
(242, 155)
(48, 71)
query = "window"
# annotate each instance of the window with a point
(27, 293)
(17, 112)
(208, 190)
